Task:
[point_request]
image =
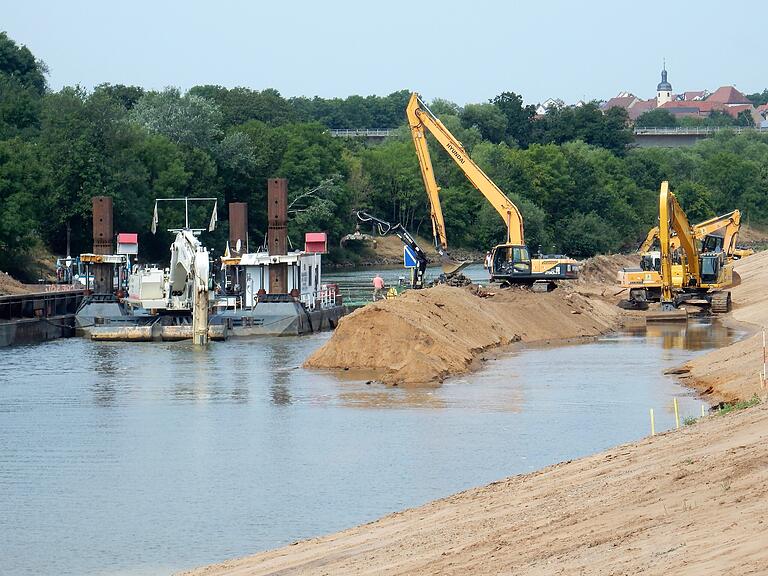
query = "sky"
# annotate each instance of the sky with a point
(462, 51)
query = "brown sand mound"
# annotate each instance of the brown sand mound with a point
(426, 335)
(604, 269)
(9, 285)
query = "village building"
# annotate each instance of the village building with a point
(696, 103)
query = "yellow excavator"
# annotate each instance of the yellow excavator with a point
(705, 271)
(718, 234)
(511, 262)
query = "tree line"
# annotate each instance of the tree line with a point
(580, 184)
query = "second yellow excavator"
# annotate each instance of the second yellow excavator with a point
(705, 272)
(511, 262)
(718, 234)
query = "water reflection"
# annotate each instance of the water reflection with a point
(374, 397)
(696, 334)
(104, 364)
(280, 354)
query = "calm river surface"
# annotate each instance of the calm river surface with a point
(150, 458)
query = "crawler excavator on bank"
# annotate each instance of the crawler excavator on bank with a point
(511, 262)
(704, 274)
(718, 234)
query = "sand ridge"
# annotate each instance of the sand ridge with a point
(426, 335)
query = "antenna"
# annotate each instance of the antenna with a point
(187, 200)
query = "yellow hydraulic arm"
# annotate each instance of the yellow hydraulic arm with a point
(672, 218)
(653, 233)
(730, 222)
(421, 118)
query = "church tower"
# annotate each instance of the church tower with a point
(664, 89)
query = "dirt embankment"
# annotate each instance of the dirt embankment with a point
(733, 373)
(9, 285)
(691, 502)
(427, 335)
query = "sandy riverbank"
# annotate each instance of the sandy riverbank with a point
(687, 502)
(693, 501)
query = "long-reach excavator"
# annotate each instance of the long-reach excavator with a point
(704, 273)
(384, 228)
(511, 261)
(718, 234)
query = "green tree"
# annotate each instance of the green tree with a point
(696, 200)
(519, 116)
(588, 234)
(19, 63)
(23, 181)
(745, 118)
(758, 98)
(188, 119)
(128, 96)
(19, 108)
(488, 119)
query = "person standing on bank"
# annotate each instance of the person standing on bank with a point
(378, 287)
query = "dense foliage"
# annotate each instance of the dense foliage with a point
(580, 185)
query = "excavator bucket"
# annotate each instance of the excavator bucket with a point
(454, 266)
(667, 315)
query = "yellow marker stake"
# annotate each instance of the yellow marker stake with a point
(653, 427)
(702, 411)
(677, 414)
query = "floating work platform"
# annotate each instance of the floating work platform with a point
(279, 315)
(39, 316)
(105, 318)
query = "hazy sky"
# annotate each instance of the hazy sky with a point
(462, 51)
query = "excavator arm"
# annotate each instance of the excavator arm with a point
(399, 230)
(653, 234)
(729, 223)
(673, 219)
(421, 119)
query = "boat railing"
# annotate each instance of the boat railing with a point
(323, 298)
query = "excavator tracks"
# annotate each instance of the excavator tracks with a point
(721, 302)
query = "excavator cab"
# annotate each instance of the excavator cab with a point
(511, 260)
(712, 243)
(651, 261)
(711, 265)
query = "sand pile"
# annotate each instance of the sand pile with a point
(426, 335)
(9, 285)
(604, 269)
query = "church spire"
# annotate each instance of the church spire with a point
(664, 89)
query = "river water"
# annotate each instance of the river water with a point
(150, 458)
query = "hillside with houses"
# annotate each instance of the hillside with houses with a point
(724, 106)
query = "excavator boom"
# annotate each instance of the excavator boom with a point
(384, 228)
(420, 118)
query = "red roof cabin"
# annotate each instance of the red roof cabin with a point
(316, 242)
(127, 243)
